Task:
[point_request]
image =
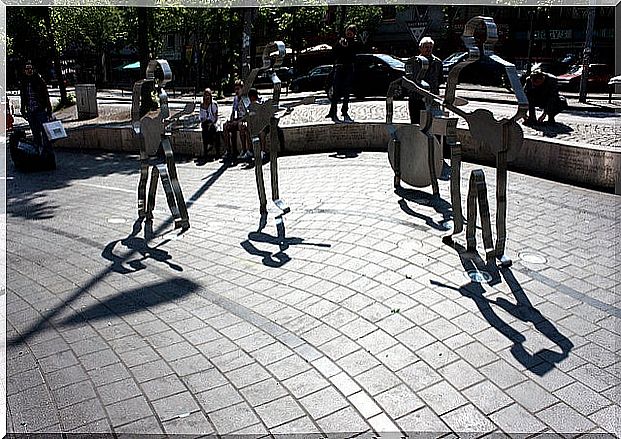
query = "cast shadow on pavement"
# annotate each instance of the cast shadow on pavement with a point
(542, 361)
(138, 246)
(25, 192)
(346, 154)
(440, 205)
(552, 130)
(279, 258)
(134, 300)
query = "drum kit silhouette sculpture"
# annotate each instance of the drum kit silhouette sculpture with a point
(414, 151)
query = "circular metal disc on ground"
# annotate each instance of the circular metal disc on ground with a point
(532, 258)
(117, 220)
(478, 276)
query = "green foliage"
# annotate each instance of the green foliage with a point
(70, 102)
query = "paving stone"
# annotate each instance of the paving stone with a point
(564, 419)
(346, 421)
(339, 347)
(467, 419)
(299, 426)
(323, 402)
(531, 396)
(594, 377)
(515, 420)
(218, 398)
(487, 397)
(345, 384)
(608, 419)
(320, 334)
(279, 412)
(383, 425)
(232, 360)
(152, 370)
(56, 361)
(162, 387)
(305, 383)
(502, 374)
(357, 362)
(190, 365)
(107, 374)
(233, 418)
(271, 353)
(441, 328)
(74, 394)
(422, 421)
(395, 324)
(377, 380)
(442, 397)
(33, 409)
(327, 367)
(437, 355)
(397, 357)
(175, 406)
(358, 329)
(416, 338)
(148, 425)
(460, 374)
(192, 424)
(418, 375)
(129, 410)
(263, 392)
(399, 401)
(23, 381)
(118, 391)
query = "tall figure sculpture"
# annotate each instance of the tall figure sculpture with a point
(152, 123)
(501, 138)
(267, 114)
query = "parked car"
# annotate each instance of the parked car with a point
(314, 80)
(481, 72)
(599, 75)
(373, 74)
(555, 68)
(264, 80)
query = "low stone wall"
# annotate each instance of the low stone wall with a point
(563, 161)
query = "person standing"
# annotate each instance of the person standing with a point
(208, 117)
(36, 107)
(434, 76)
(344, 53)
(541, 90)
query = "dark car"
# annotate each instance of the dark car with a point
(482, 72)
(599, 75)
(314, 80)
(373, 73)
(265, 80)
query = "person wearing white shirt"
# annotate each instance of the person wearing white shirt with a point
(208, 116)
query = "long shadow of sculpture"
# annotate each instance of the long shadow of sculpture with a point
(540, 362)
(135, 300)
(440, 205)
(279, 258)
(137, 246)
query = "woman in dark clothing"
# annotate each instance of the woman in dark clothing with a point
(36, 107)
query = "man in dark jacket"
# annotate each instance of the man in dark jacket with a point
(36, 107)
(344, 53)
(434, 76)
(541, 89)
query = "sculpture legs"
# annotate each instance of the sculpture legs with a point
(477, 194)
(501, 208)
(181, 220)
(142, 189)
(258, 172)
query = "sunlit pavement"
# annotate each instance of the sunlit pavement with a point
(359, 320)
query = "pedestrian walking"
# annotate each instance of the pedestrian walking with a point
(36, 107)
(344, 54)
(541, 90)
(208, 116)
(434, 76)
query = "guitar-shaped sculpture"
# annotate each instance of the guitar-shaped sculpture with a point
(152, 129)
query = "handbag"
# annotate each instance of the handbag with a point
(54, 130)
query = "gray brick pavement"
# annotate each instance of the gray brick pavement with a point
(368, 332)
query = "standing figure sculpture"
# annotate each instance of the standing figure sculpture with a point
(151, 122)
(500, 138)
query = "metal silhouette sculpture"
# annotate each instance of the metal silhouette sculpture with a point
(152, 124)
(261, 115)
(501, 138)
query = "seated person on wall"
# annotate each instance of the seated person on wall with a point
(235, 125)
(208, 117)
(541, 89)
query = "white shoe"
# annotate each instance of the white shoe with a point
(248, 155)
(347, 119)
(263, 155)
(241, 155)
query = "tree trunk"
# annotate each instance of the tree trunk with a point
(64, 101)
(143, 38)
